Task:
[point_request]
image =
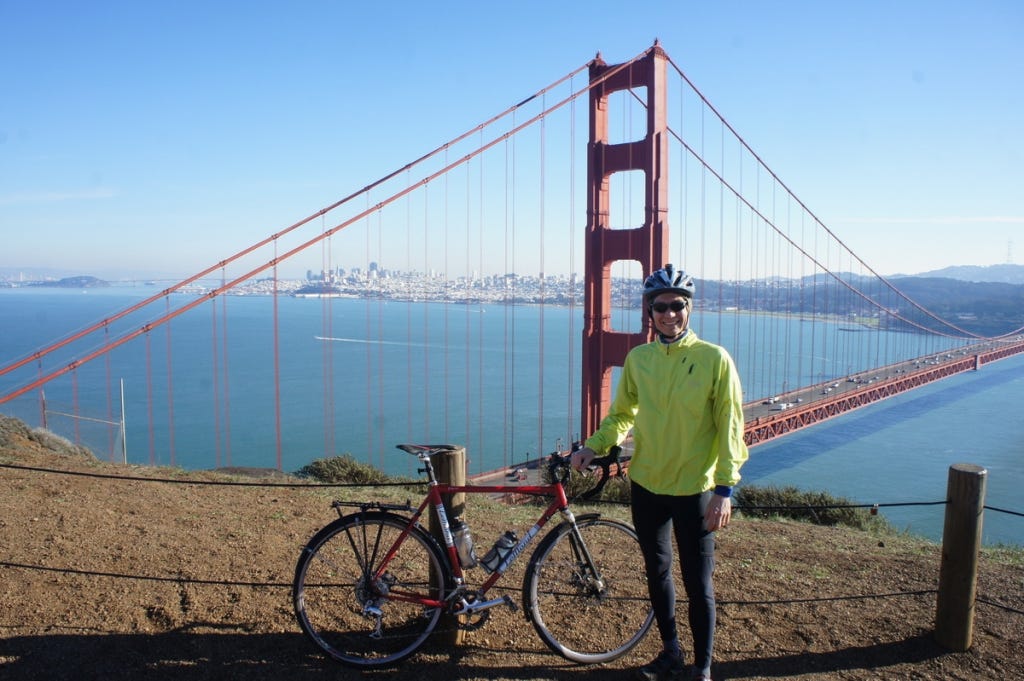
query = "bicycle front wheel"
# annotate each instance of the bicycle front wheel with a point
(585, 592)
(360, 592)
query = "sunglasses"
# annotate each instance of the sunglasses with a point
(675, 306)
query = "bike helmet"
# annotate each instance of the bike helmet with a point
(668, 280)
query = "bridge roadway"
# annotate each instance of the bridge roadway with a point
(786, 413)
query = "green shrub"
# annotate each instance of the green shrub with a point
(345, 469)
(819, 508)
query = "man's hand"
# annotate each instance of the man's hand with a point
(581, 458)
(718, 513)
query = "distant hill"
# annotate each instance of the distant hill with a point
(989, 308)
(1000, 274)
(74, 282)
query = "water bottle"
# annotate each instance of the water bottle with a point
(463, 544)
(499, 551)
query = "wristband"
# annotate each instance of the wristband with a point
(723, 491)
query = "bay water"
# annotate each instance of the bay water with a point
(403, 371)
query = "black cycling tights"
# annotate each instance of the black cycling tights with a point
(655, 517)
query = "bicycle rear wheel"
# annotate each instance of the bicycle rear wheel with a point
(585, 593)
(358, 610)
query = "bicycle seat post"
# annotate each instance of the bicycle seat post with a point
(428, 467)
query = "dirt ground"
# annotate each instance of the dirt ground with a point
(108, 578)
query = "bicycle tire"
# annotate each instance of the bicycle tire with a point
(334, 585)
(581, 617)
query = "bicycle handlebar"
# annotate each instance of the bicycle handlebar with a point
(603, 462)
(556, 462)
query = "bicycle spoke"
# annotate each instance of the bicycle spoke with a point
(355, 609)
(585, 595)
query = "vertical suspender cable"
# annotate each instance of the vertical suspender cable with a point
(149, 397)
(215, 370)
(170, 389)
(571, 336)
(325, 332)
(777, 254)
(427, 410)
(327, 323)
(111, 436)
(507, 281)
(275, 330)
(368, 306)
(380, 346)
(467, 342)
(543, 274)
(684, 176)
(757, 245)
(514, 307)
(408, 329)
(227, 381)
(737, 264)
(703, 204)
(721, 235)
(787, 317)
(42, 395)
(74, 402)
(480, 324)
(446, 302)
(814, 307)
(801, 312)
(111, 433)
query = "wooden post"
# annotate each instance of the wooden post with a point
(961, 541)
(450, 468)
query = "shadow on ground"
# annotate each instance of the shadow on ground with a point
(186, 655)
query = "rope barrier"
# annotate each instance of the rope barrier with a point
(1003, 510)
(979, 599)
(224, 582)
(288, 585)
(823, 599)
(228, 483)
(834, 506)
(143, 578)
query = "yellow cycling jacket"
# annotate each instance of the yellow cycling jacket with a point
(684, 403)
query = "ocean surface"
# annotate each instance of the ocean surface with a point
(519, 367)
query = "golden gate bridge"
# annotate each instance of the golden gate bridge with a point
(520, 218)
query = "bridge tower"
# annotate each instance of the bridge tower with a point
(603, 347)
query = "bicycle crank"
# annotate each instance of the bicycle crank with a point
(473, 614)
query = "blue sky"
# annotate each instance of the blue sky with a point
(160, 137)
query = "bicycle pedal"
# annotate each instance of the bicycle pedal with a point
(510, 603)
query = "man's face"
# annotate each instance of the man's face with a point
(670, 313)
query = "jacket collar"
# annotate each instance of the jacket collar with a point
(687, 339)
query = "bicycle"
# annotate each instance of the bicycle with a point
(371, 586)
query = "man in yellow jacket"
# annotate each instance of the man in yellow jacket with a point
(682, 399)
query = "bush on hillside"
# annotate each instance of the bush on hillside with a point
(819, 508)
(345, 469)
(15, 432)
